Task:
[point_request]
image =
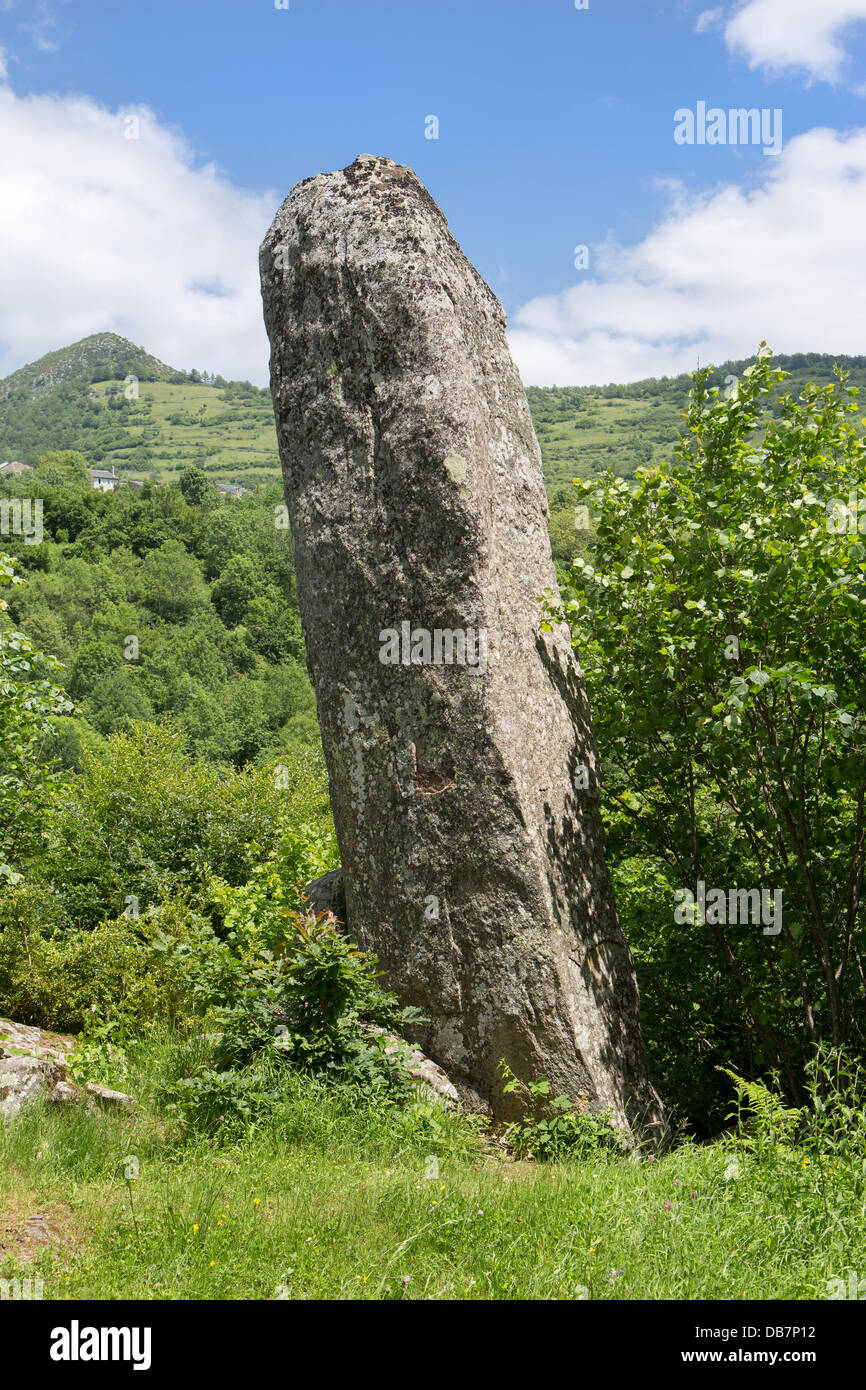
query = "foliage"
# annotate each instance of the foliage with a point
(309, 1003)
(157, 607)
(731, 723)
(195, 486)
(126, 974)
(142, 821)
(556, 1131)
(29, 702)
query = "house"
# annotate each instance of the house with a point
(14, 469)
(102, 480)
(228, 491)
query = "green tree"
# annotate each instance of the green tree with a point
(62, 467)
(722, 626)
(240, 581)
(172, 582)
(29, 705)
(195, 486)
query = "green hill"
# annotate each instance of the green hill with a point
(79, 398)
(84, 397)
(586, 430)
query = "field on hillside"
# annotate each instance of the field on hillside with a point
(76, 398)
(229, 435)
(596, 433)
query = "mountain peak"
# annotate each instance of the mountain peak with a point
(107, 353)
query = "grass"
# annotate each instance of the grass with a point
(335, 1200)
(233, 441)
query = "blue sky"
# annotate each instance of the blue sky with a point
(555, 129)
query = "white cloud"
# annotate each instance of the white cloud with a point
(783, 262)
(3, 67)
(803, 34)
(100, 232)
(708, 19)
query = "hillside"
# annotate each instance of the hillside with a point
(586, 430)
(75, 398)
(80, 397)
(96, 358)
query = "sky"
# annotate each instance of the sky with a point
(144, 149)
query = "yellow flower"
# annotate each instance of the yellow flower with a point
(256, 1201)
(195, 1229)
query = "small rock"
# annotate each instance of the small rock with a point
(108, 1099)
(33, 1064)
(24, 1078)
(327, 894)
(420, 1067)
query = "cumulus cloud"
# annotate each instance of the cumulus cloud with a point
(100, 231)
(724, 270)
(803, 34)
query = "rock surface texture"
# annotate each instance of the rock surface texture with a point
(457, 736)
(34, 1064)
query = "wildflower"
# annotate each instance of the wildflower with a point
(212, 1263)
(668, 1206)
(406, 1278)
(195, 1229)
(676, 1182)
(256, 1201)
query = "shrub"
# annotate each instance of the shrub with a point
(557, 1131)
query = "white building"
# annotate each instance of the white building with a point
(102, 480)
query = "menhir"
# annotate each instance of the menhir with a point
(462, 765)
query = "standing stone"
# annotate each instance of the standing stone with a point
(463, 770)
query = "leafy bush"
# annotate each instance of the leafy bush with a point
(559, 1131)
(731, 723)
(127, 973)
(142, 820)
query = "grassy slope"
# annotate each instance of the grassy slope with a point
(231, 436)
(233, 441)
(331, 1200)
